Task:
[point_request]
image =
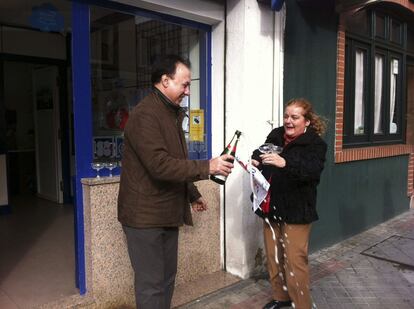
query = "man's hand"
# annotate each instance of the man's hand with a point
(199, 205)
(219, 165)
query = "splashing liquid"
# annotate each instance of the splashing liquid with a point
(274, 239)
(285, 256)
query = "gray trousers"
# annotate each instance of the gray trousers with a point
(153, 255)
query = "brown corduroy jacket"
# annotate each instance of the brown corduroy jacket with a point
(156, 186)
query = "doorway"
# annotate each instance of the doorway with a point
(37, 263)
(33, 129)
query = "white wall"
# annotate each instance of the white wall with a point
(252, 89)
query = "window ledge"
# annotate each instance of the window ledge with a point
(367, 153)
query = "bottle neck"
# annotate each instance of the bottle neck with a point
(231, 147)
(234, 147)
(231, 142)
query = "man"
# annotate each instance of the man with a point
(156, 187)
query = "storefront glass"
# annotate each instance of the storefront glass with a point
(123, 47)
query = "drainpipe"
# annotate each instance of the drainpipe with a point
(224, 130)
(272, 121)
(277, 88)
(278, 67)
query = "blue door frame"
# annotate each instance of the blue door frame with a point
(82, 115)
(82, 107)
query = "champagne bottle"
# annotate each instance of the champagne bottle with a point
(231, 150)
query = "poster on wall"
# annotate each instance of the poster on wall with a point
(197, 125)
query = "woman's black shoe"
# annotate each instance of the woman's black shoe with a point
(276, 304)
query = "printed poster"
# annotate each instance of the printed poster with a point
(197, 125)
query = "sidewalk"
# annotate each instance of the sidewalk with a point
(374, 269)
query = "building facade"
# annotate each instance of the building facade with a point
(90, 63)
(354, 61)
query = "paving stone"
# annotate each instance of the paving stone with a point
(341, 277)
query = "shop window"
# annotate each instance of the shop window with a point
(123, 48)
(375, 98)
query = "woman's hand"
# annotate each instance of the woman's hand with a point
(273, 159)
(255, 162)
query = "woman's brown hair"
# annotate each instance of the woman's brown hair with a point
(317, 122)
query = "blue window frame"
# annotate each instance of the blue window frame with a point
(83, 96)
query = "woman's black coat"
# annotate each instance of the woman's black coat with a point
(293, 188)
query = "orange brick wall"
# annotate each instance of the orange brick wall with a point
(411, 175)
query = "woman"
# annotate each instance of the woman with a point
(293, 175)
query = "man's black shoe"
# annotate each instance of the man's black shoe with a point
(276, 304)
